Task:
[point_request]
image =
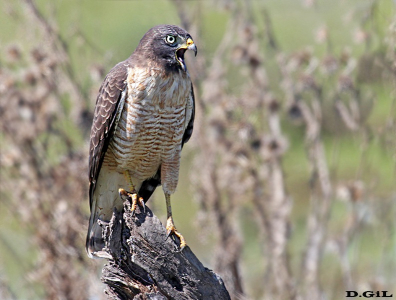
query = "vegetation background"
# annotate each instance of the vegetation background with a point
(287, 187)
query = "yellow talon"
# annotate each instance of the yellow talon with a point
(134, 199)
(170, 226)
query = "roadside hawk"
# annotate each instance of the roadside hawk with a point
(143, 116)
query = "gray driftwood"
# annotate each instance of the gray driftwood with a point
(146, 264)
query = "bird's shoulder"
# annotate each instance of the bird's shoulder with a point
(115, 80)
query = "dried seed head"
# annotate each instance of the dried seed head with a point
(329, 64)
(294, 112)
(273, 104)
(38, 55)
(30, 77)
(14, 53)
(345, 83)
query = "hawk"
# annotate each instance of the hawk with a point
(144, 114)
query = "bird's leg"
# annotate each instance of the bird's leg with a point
(170, 226)
(135, 199)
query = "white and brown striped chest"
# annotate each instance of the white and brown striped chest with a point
(152, 121)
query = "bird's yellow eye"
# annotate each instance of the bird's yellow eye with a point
(170, 39)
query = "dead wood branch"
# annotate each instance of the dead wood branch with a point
(146, 264)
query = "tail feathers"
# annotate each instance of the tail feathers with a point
(104, 197)
(95, 242)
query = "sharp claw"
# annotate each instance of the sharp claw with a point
(134, 204)
(170, 228)
(182, 240)
(183, 244)
(141, 201)
(123, 194)
(134, 198)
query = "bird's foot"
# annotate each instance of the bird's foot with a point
(134, 198)
(170, 228)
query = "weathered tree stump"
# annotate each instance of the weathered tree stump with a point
(146, 264)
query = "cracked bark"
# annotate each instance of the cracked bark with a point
(146, 264)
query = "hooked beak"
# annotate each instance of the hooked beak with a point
(188, 45)
(191, 46)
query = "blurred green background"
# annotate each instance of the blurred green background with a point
(99, 34)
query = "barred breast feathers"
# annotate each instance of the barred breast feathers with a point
(163, 90)
(156, 112)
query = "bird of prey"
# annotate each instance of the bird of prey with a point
(143, 116)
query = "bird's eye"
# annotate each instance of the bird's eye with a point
(170, 39)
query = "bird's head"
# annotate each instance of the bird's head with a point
(167, 45)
